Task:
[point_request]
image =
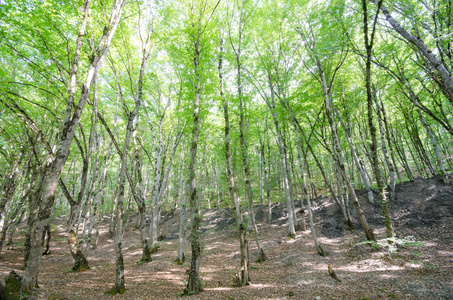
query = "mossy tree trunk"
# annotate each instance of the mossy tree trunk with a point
(194, 284)
(243, 277)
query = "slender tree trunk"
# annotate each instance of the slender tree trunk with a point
(384, 201)
(14, 227)
(243, 277)
(269, 177)
(97, 201)
(182, 222)
(266, 179)
(271, 105)
(158, 174)
(80, 262)
(431, 136)
(244, 143)
(306, 192)
(388, 137)
(357, 160)
(11, 220)
(402, 155)
(369, 46)
(194, 285)
(339, 160)
(52, 176)
(347, 219)
(140, 200)
(261, 175)
(9, 185)
(119, 200)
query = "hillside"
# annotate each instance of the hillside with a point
(421, 268)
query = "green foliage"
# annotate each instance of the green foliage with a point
(392, 244)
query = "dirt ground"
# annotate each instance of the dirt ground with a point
(420, 268)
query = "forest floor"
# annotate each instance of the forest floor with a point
(420, 268)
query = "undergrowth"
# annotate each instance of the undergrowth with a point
(392, 244)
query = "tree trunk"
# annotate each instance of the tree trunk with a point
(182, 222)
(384, 201)
(271, 105)
(14, 227)
(243, 140)
(97, 201)
(194, 285)
(306, 192)
(243, 277)
(339, 159)
(357, 160)
(52, 176)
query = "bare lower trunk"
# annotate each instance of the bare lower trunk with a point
(267, 179)
(119, 287)
(14, 227)
(7, 222)
(384, 201)
(155, 224)
(146, 252)
(97, 201)
(291, 197)
(306, 192)
(182, 222)
(80, 262)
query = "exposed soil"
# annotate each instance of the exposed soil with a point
(421, 268)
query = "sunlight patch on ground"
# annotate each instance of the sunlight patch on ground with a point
(216, 245)
(216, 270)
(174, 270)
(371, 265)
(389, 276)
(170, 277)
(445, 253)
(209, 227)
(62, 228)
(138, 278)
(263, 286)
(220, 289)
(138, 252)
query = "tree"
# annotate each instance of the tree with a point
(70, 120)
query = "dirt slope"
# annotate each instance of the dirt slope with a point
(420, 269)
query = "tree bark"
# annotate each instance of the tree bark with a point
(357, 160)
(194, 285)
(339, 158)
(243, 277)
(97, 201)
(242, 132)
(271, 105)
(384, 201)
(52, 176)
